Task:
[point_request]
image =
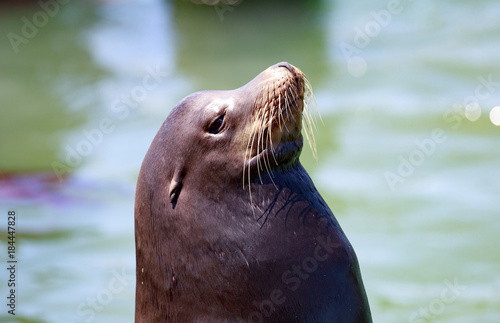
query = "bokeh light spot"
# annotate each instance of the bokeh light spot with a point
(356, 66)
(472, 111)
(495, 115)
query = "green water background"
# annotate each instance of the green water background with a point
(408, 156)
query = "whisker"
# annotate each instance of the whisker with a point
(308, 122)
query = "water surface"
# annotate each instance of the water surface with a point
(409, 171)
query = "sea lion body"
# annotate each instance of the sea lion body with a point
(231, 229)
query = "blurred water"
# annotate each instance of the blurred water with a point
(412, 180)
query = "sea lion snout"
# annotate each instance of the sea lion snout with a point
(281, 107)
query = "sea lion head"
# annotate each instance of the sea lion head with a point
(235, 136)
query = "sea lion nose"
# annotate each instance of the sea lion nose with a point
(293, 70)
(289, 67)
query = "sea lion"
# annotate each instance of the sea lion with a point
(229, 226)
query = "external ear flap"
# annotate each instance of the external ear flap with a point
(175, 187)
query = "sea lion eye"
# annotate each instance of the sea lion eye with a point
(217, 125)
